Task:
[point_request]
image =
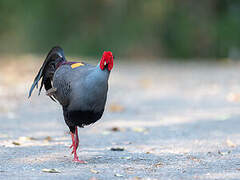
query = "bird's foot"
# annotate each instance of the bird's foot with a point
(79, 161)
(72, 146)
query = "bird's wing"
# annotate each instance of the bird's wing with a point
(66, 77)
(62, 84)
(46, 72)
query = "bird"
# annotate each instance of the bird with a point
(80, 88)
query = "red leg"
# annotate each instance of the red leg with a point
(75, 142)
(77, 139)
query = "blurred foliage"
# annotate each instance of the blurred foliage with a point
(150, 28)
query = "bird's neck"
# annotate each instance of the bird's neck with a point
(97, 78)
(60, 63)
(101, 74)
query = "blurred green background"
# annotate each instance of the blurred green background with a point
(130, 28)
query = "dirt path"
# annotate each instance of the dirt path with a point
(173, 121)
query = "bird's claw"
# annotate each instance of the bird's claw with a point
(79, 161)
(71, 147)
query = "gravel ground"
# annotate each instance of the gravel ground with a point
(172, 121)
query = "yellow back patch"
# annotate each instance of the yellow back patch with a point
(76, 65)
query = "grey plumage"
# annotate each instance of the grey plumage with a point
(84, 87)
(82, 90)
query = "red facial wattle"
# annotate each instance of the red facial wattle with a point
(107, 60)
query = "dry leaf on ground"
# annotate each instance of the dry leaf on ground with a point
(16, 143)
(94, 171)
(140, 129)
(48, 138)
(193, 158)
(117, 129)
(117, 149)
(128, 157)
(223, 153)
(51, 170)
(136, 178)
(24, 138)
(159, 164)
(118, 175)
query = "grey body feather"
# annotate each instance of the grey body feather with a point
(82, 88)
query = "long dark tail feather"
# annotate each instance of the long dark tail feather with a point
(35, 82)
(47, 70)
(39, 92)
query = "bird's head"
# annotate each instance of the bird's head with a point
(107, 60)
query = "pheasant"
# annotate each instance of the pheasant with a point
(80, 88)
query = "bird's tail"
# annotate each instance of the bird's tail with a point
(46, 72)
